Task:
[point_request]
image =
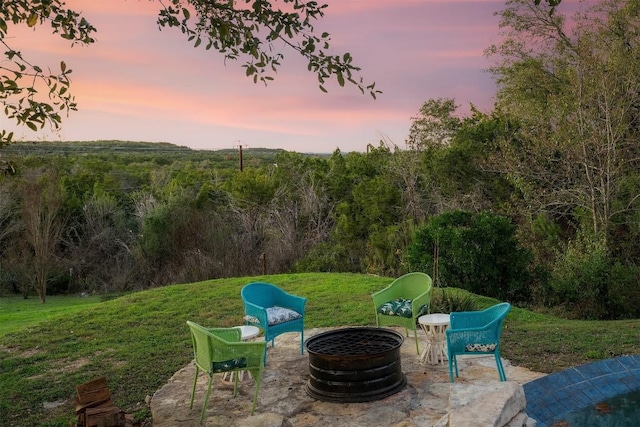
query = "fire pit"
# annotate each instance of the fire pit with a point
(355, 365)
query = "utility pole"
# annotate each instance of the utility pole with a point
(240, 154)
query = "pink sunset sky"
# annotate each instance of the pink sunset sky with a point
(137, 83)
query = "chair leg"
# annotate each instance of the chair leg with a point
(235, 374)
(503, 376)
(302, 341)
(265, 355)
(415, 335)
(452, 361)
(193, 389)
(453, 366)
(255, 393)
(206, 398)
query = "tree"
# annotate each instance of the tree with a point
(41, 203)
(254, 30)
(576, 100)
(435, 125)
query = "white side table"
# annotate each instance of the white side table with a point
(247, 332)
(434, 327)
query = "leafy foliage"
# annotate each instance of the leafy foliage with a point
(575, 98)
(588, 284)
(476, 252)
(234, 28)
(21, 82)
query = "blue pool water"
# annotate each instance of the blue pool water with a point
(619, 411)
(563, 394)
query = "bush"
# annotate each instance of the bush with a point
(624, 292)
(476, 252)
(579, 279)
(589, 284)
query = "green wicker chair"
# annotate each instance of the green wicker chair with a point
(219, 350)
(476, 332)
(403, 301)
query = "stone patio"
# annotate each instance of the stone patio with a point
(427, 400)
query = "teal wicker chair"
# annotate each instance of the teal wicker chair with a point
(476, 332)
(219, 350)
(403, 301)
(274, 311)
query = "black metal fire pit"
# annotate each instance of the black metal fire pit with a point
(355, 365)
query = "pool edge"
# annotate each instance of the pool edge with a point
(552, 396)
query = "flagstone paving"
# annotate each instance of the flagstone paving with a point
(283, 401)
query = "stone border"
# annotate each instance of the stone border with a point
(552, 396)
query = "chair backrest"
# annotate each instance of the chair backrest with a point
(412, 285)
(261, 294)
(209, 347)
(477, 319)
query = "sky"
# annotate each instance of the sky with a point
(139, 83)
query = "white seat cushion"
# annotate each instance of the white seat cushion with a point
(276, 315)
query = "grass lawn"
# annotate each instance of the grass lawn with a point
(17, 313)
(140, 340)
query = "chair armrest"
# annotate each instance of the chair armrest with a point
(419, 301)
(293, 302)
(260, 313)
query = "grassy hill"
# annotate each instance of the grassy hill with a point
(140, 340)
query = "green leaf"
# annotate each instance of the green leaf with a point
(63, 66)
(33, 20)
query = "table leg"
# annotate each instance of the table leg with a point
(434, 351)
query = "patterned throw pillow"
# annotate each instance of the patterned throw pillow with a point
(481, 347)
(228, 365)
(396, 307)
(251, 319)
(276, 315)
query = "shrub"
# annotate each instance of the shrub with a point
(624, 292)
(591, 286)
(583, 279)
(579, 279)
(476, 252)
(446, 300)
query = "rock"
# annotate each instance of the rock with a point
(489, 403)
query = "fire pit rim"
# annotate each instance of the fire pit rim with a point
(377, 330)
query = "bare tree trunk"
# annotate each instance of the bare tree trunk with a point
(41, 205)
